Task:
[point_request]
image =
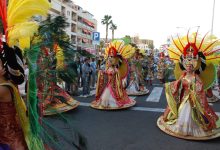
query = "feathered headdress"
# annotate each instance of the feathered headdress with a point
(162, 55)
(208, 46)
(202, 50)
(16, 17)
(59, 56)
(18, 27)
(122, 51)
(143, 52)
(118, 47)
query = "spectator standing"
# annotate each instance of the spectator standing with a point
(93, 76)
(79, 72)
(86, 72)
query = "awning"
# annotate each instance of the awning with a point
(86, 31)
(85, 40)
(88, 22)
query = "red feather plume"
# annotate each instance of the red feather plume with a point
(3, 14)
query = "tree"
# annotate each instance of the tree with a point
(50, 49)
(151, 46)
(113, 28)
(106, 21)
(127, 39)
(101, 46)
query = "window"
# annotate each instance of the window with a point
(68, 13)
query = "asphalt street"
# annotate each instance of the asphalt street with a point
(130, 129)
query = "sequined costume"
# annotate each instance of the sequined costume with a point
(161, 67)
(188, 114)
(53, 98)
(136, 84)
(110, 93)
(150, 69)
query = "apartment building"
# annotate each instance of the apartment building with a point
(82, 23)
(86, 25)
(143, 43)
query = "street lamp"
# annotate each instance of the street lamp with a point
(213, 16)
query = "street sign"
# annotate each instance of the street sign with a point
(95, 38)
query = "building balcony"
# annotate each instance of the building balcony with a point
(74, 19)
(88, 17)
(79, 24)
(63, 14)
(85, 45)
(55, 4)
(84, 35)
(70, 4)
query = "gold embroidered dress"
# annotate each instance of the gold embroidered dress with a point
(188, 114)
(110, 93)
(136, 82)
(161, 66)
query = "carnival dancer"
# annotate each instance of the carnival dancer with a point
(49, 61)
(53, 67)
(86, 77)
(21, 128)
(16, 130)
(188, 114)
(110, 93)
(150, 68)
(161, 67)
(10, 100)
(54, 99)
(136, 79)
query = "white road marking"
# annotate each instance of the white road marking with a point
(217, 113)
(148, 109)
(132, 97)
(155, 94)
(84, 104)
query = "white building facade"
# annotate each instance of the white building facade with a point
(82, 23)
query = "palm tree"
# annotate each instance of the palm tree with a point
(106, 21)
(113, 28)
(43, 54)
(101, 45)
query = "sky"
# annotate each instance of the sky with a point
(154, 19)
